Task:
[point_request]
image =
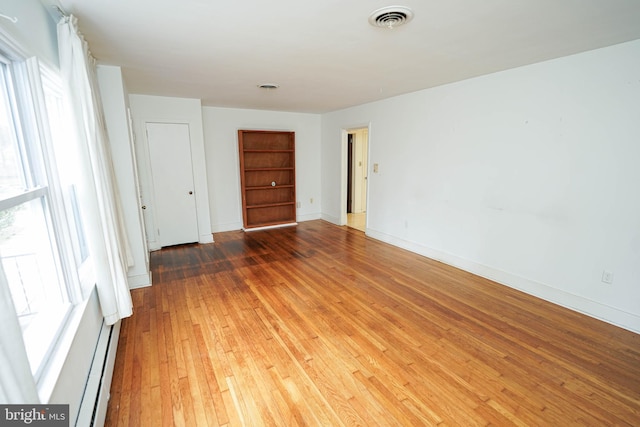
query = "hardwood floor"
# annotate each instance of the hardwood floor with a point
(320, 325)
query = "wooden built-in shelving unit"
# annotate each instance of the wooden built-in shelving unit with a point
(268, 178)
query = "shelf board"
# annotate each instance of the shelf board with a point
(288, 168)
(269, 225)
(270, 187)
(255, 150)
(270, 205)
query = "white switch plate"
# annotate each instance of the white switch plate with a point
(607, 277)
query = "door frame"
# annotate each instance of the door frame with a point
(343, 170)
(141, 145)
(349, 172)
(139, 200)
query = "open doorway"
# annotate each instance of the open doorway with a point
(357, 171)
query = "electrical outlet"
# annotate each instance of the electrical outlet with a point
(375, 168)
(298, 204)
(607, 277)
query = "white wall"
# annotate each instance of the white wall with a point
(116, 104)
(528, 176)
(223, 165)
(159, 109)
(35, 30)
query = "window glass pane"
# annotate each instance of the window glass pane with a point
(28, 260)
(67, 159)
(11, 169)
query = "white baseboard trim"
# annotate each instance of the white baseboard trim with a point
(206, 238)
(139, 281)
(557, 296)
(332, 219)
(308, 217)
(227, 226)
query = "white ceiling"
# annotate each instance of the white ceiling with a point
(324, 54)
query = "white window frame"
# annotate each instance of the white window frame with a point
(43, 337)
(81, 271)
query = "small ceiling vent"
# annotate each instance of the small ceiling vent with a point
(390, 17)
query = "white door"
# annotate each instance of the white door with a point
(172, 174)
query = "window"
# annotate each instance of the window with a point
(42, 246)
(67, 154)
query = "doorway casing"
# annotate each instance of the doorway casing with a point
(344, 181)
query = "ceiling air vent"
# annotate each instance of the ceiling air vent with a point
(390, 17)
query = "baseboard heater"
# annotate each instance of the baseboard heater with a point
(93, 408)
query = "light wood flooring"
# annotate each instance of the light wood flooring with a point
(319, 325)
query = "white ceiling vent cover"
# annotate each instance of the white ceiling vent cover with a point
(390, 16)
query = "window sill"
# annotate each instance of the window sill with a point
(50, 372)
(42, 333)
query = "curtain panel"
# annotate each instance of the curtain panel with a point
(100, 200)
(17, 385)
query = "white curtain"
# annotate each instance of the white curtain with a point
(16, 382)
(100, 201)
